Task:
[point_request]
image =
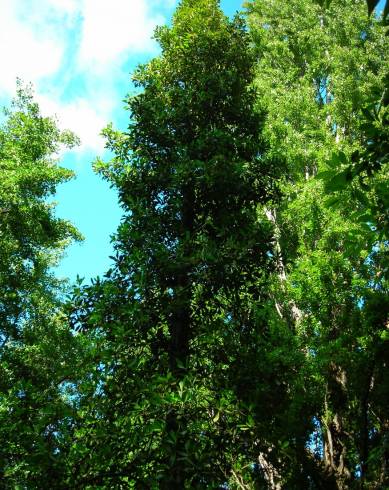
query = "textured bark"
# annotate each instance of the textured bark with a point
(335, 437)
(364, 442)
(294, 314)
(271, 474)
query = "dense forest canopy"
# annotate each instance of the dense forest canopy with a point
(240, 339)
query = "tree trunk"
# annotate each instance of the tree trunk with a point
(180, 331)
(335, 438)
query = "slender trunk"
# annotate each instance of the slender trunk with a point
(271, 474)
(294, 314)
(179, 325)
(180, 318)
(335, 437)
(317, 471)
(364, 443)
(180, 332)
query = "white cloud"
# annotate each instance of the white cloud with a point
(25, 51)
(111, 29)
(73, 52)
(79, 116)
(67, 6)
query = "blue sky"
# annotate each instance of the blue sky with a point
(79, 55)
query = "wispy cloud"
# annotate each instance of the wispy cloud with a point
(80, 116)
(28, 50)
(74, 53)
(110, 30)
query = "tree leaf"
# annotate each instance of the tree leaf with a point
(339, 181)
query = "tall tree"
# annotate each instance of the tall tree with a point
(186, 340)
(37, 349)
(319, 70)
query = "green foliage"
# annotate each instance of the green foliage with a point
(36, 347)
(31, 236)
(371, 5)
(320, 73)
